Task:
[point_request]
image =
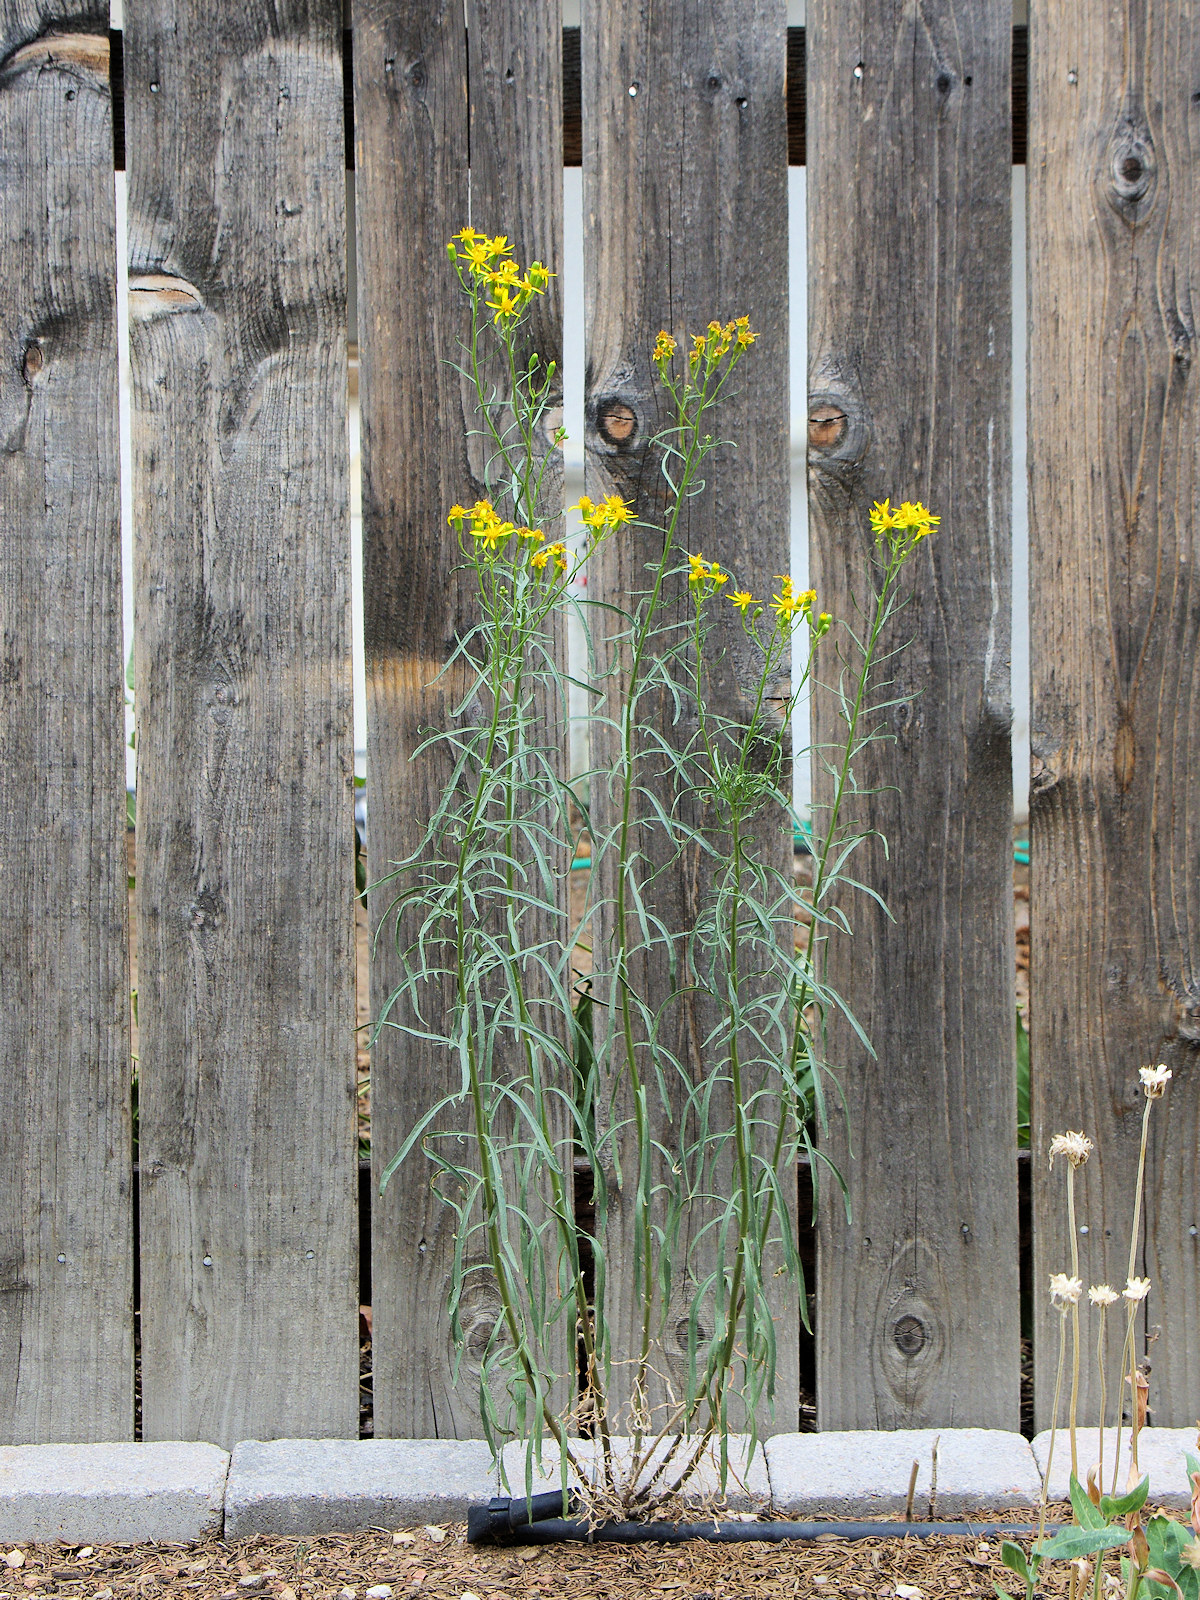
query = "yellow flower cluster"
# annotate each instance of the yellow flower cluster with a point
(664, 349)
(705, 577)
(610, 513)
(912, 521)
(491, 532)
(716, 341)
(488, 260)
(787, 603)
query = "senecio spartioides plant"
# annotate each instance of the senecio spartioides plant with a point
(1159, 1556)
(546, 1085)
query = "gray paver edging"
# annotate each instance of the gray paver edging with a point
(867, 1474)
(300, 1486)
(1161, 1456)
(120, 1493)
(115, 1493)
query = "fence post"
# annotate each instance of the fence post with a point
(66, 1223)
(1114, 278)
(245, 765)
(909, 369)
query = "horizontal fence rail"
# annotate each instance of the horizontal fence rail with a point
(572, 114)
(231, 1288)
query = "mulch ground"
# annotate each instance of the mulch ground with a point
(437, 1564)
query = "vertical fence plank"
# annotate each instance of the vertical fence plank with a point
(412, 195)
(66, 1225)
(909, 342)
(685, 219)
(1114, 277)
(245, 770)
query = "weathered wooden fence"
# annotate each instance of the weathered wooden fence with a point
(245, 1253)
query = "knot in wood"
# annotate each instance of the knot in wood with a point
(826, 427)
(1132, 165)
(34, 361)
(616, 421)
(909, 1336)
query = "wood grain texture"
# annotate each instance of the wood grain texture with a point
(1114, 425)
(413, 127)
(245, 767)
(685, 219)
(909, 339)
(66, 1225)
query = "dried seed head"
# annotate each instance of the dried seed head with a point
(1154, 1080)
(1064, 1290)
(1100, 1294)
(1137, 1289)
(1077, 1147)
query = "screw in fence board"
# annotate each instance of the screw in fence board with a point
(1114, 276)
(245, 837)
(412, 195)
(910, 346)
(66, 1223)
(685, 219)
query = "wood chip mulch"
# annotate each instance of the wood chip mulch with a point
(437, 1564)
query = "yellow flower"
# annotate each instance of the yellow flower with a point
(742, 599)
(664, 349)
(501, 302)
(492, 535)
(699, 345)
(744, 337)
(534, 534)
(715, 576)
(457, 514)
(699, 570)
(539, 277)
(616, 510)
(539, 559)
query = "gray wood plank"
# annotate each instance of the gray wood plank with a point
(413, 126)
(66, 1222)
(245, 764)
(909, 343)
(685, 219)
(1114, 276)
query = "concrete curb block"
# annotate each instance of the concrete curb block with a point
(867, 1474)
(120, 1493)
(1161, 1456)
(125, 1493)
(302, 1486)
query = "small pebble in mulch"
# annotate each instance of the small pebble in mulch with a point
(380, 1591)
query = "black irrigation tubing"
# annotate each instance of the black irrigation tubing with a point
(509, 1522)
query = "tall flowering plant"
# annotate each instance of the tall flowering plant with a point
(546, 1086)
